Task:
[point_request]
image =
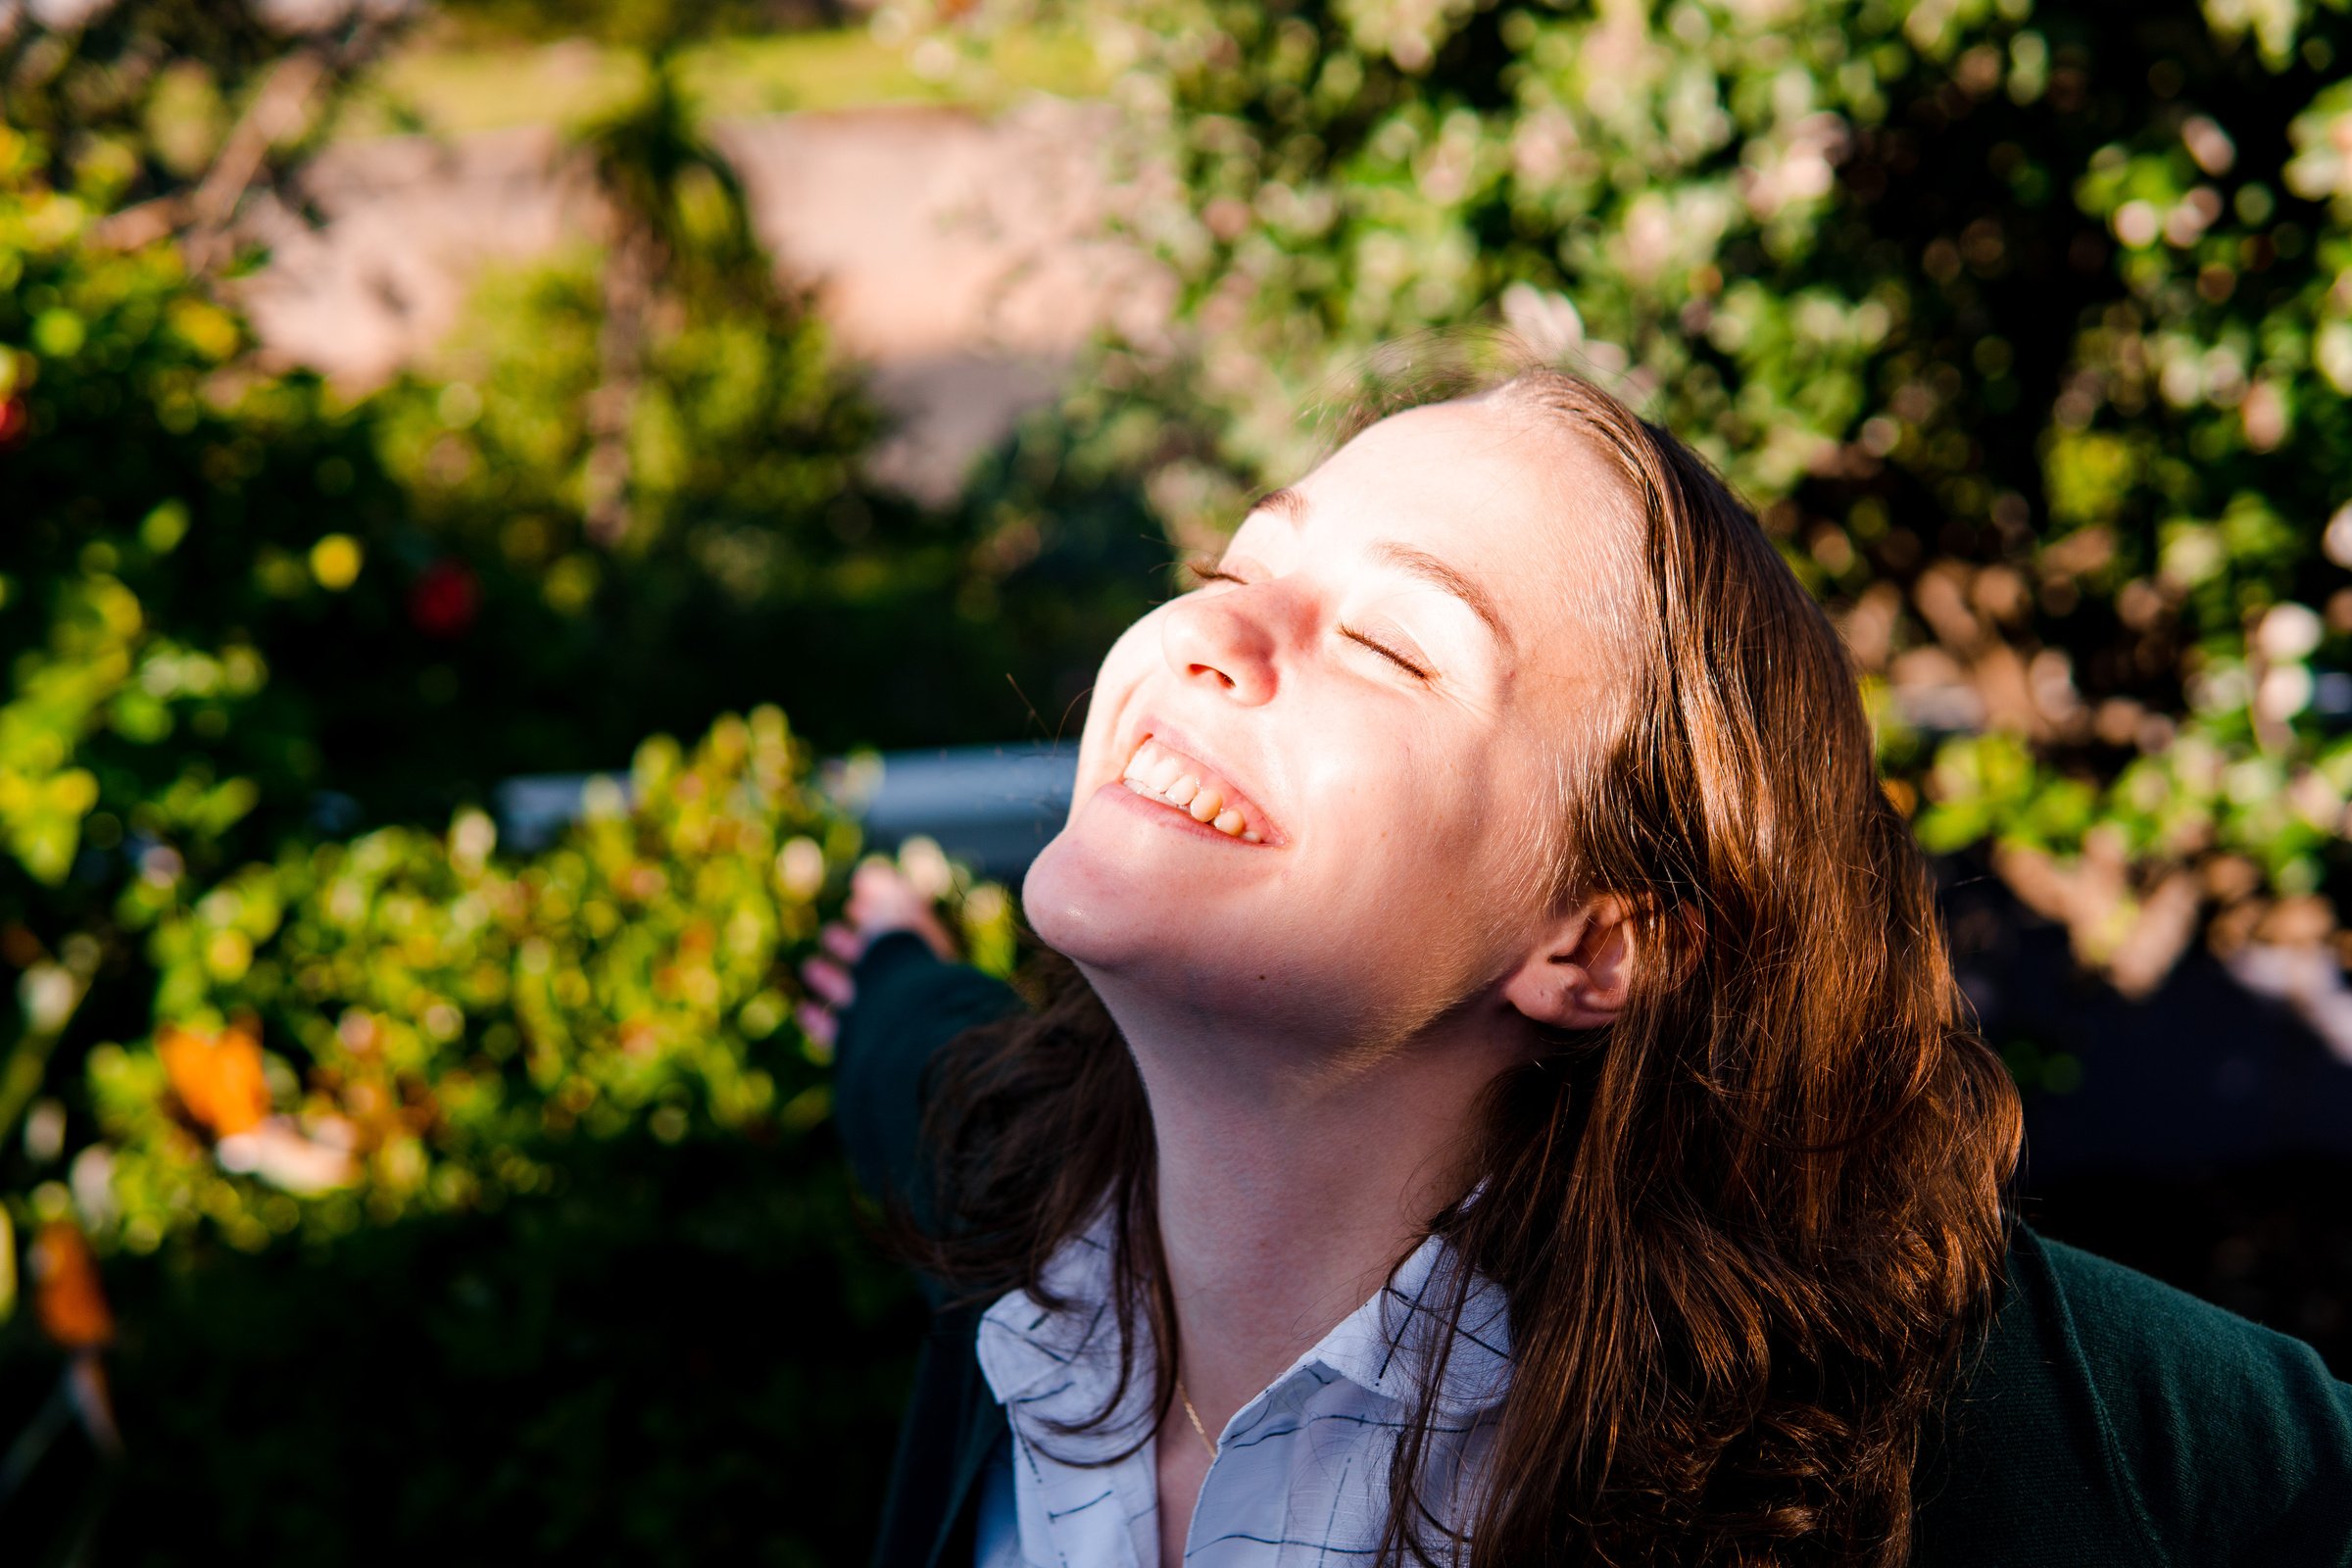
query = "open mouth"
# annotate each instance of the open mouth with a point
(1159, 772)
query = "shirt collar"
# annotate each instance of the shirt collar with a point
(1389, 1344)
(1054, 1370)
(1060, 1366)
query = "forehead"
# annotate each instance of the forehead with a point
(1519, 497)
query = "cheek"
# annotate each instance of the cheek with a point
(1460, 848)
(1132, 657)
(1136, 650)
(1403, 828)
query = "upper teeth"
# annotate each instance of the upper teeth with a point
(1177, 780)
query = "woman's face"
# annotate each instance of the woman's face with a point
(1380, 685)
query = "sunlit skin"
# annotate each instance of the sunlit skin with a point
(1314, 1016)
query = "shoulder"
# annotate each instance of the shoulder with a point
(2137, 1333)
(2110, 1418)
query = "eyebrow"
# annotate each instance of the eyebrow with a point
(1291, 506)
(1286, 503)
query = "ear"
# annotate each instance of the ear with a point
(1579, 975)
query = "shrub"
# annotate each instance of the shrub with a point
(418, 1124)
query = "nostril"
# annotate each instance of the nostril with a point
(1213, 640)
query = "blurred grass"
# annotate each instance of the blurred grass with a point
(456, 89)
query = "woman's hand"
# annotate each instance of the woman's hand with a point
(881, 900)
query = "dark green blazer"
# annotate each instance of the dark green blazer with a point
(2110, 1421)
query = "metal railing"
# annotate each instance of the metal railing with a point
(991, 807)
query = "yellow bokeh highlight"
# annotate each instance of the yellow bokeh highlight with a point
(335, 561)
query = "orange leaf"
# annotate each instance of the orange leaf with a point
(67, 1294)
(217, 1077)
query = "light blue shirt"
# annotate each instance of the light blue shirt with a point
(1302, 1472)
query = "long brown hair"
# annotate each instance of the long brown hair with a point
(1746, 1230)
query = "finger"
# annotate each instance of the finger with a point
(829, 981)
(877, 875)
(895, 911)
(816, 1023)
(880, 882)
(843, 943)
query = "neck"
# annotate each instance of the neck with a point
(1290, 1185)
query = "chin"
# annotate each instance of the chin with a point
(1112, 896)
(1118, 918)
(1084, 905)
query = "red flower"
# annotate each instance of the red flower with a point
(444, 599)
(14, 420)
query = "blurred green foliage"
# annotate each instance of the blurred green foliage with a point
(460, 85)
(276, 999)
(243, 614)
(428, 1021)
(641, 24)
(553, 1159)
(150, 85)
(2025, 324)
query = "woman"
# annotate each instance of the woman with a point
(1507, 1100)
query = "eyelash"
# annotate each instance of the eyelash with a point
(1207, 574)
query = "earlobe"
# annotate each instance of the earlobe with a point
(1579, 979)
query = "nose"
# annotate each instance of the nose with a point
(1225, 639)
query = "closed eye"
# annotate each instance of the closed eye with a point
(1386, 652)
(1202, 572)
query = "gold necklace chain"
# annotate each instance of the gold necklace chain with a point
(1206, 1441)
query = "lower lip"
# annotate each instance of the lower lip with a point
(1167, 816)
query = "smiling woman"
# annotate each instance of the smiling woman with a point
(1506, 1099)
